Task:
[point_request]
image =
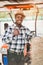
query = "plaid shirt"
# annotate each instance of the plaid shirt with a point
(18, 42)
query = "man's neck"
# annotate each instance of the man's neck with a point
(18, 25)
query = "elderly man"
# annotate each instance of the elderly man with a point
(17, 36)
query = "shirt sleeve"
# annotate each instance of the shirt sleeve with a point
(7, 37)
(29, 35)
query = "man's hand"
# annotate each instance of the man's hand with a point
(16, 32)
(25, 50)
(29, 53)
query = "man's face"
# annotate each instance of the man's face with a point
(19, 18)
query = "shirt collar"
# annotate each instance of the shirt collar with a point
(19, 26)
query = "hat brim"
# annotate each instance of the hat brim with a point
(19, 14)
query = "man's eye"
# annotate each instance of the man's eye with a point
(19, 17)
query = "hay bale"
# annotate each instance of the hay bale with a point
(37, 51)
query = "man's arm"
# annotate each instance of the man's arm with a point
(25, 50)
(28, 37)
(6, 39)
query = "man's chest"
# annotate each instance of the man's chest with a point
(21, 35)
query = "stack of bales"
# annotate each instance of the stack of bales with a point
(37, 51)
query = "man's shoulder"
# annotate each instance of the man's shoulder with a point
(24, 27)
(12, 26)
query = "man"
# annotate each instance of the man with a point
(18, 36)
